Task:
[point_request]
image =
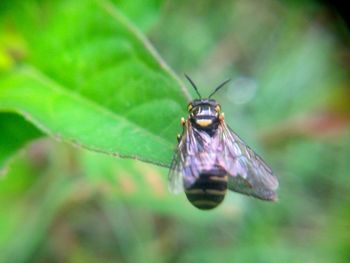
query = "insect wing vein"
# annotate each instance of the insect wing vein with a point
(249, 174)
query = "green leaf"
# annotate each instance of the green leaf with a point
(15, 133)
(92, 79)
(143, 13)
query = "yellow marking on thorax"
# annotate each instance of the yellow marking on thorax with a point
(204, 122)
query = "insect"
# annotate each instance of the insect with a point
(210, 159)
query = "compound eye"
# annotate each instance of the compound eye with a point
(195, 111)
(217, 108)
(190, 107)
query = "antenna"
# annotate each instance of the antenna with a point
(219, 87)
(193, 85)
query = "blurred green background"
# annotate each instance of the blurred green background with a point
(289, 99)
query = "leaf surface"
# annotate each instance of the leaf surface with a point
(92, 79)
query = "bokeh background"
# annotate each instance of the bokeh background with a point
(289, 99)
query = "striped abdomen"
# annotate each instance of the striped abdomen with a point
(209, 190)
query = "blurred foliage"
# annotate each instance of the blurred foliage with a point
(289, 99)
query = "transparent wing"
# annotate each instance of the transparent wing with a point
(181, 167)
(249, 174)
(175, 175)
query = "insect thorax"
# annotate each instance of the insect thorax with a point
(204, 115)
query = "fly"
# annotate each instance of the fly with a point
(211, 159)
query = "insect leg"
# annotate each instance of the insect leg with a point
(183, 122)
(222, 117)
(178, 137)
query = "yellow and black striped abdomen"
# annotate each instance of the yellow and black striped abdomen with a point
(208, 191)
